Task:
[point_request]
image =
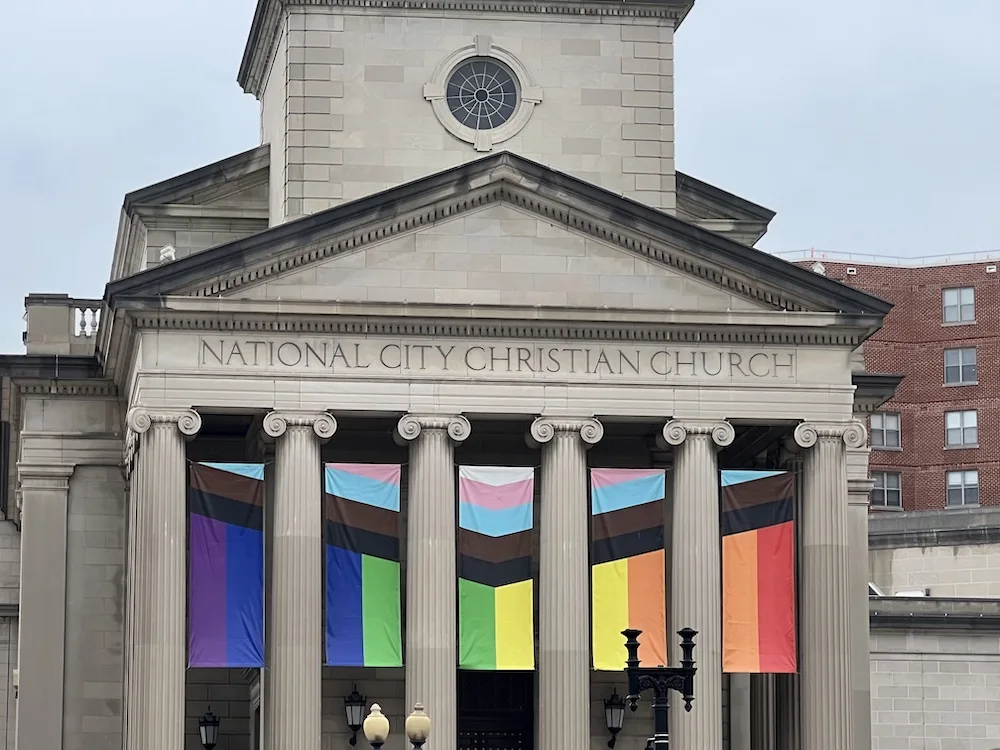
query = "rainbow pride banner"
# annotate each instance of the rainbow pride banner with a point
(226, 565)
(495, 589)
(758, 572)
(628, 565)
(361, 508)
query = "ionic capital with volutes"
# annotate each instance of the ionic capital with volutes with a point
(587, 429)
(277, 423)
(141, 418)
(410, 426)
(676, 431)
(853, 433)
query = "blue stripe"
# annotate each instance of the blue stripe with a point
(344, 615)
(362, 489)
(627, 494)
(244, 597)
(494, 522)
(252, 471)
(739, 476)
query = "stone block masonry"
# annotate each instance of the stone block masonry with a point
(344, 112)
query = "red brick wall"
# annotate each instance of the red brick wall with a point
(912, 343)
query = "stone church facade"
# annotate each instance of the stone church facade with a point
(464, 227)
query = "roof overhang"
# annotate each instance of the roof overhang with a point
(267, 20)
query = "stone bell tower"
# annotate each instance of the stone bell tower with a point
(362, 95)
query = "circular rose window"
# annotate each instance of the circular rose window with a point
(482, 94)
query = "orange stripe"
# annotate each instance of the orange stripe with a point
(740, 637)
(647, 607)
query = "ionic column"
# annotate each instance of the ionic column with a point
(156, 663)
(825, 613)
(696, 574)
(564, 582)
(293, 629)
(431, 576)
(787, 698)
(859, 488)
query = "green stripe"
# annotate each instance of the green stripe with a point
(477, 637)
(380, 612)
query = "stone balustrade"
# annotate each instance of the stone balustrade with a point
(60, 324)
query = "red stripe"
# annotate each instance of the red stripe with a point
(776, 598)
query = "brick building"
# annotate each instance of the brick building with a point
(936, 444)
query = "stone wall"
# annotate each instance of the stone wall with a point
(227, 693)
(935, 691)
(356, 120)
(95, 571)
(951, 553)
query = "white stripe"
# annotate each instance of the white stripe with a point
(496, 476)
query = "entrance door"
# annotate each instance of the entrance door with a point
(496, 710)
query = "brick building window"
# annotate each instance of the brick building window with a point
(961, 429)
(963, 488)
(885, 430)
(959, 305)
(960, 366)
(886, 493)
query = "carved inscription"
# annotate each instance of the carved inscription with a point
(485, 359)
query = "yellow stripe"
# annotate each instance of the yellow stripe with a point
(610, 614)
(515, 630)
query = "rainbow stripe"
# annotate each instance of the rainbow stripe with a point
(628, 565)
(758, 572)
(226, 565)
(495, 587)
(361, 506)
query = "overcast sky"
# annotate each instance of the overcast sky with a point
(870, 127)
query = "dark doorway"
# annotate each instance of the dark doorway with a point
(496, 710)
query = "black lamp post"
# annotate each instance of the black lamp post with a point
(208, 728)
(614, 715)
(661, 680)
(354, 707)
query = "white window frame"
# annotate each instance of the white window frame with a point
(883, 485)
(880, 430)
(960, 303)
(966, 426)
(963, 364)
(963, 481)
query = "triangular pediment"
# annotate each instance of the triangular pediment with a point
(499, 255)
(501, 230)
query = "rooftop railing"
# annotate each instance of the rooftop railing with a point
(866, 259)
(60, 324)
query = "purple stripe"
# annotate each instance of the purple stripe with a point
(207, 593)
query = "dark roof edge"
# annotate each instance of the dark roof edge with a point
(49, 366)
(386, 204)
(932, 613)
(718, 195)
(197, 178)
(934, 528)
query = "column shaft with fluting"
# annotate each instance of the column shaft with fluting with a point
(157, 663)
(762, 730)
(826, 586)
(564, 582)
(431, 575)
(293, 631)
(696, 574)
(859, 488)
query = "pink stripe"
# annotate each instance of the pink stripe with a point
(388, 473)
(495, 498)
(609, 477)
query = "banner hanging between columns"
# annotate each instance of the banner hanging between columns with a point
(495, 588)
(226, 565)
(758, 572)
(361, 508)
(628, 565)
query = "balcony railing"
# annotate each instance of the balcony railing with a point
(60, 324)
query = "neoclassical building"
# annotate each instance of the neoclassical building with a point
(463, 244)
